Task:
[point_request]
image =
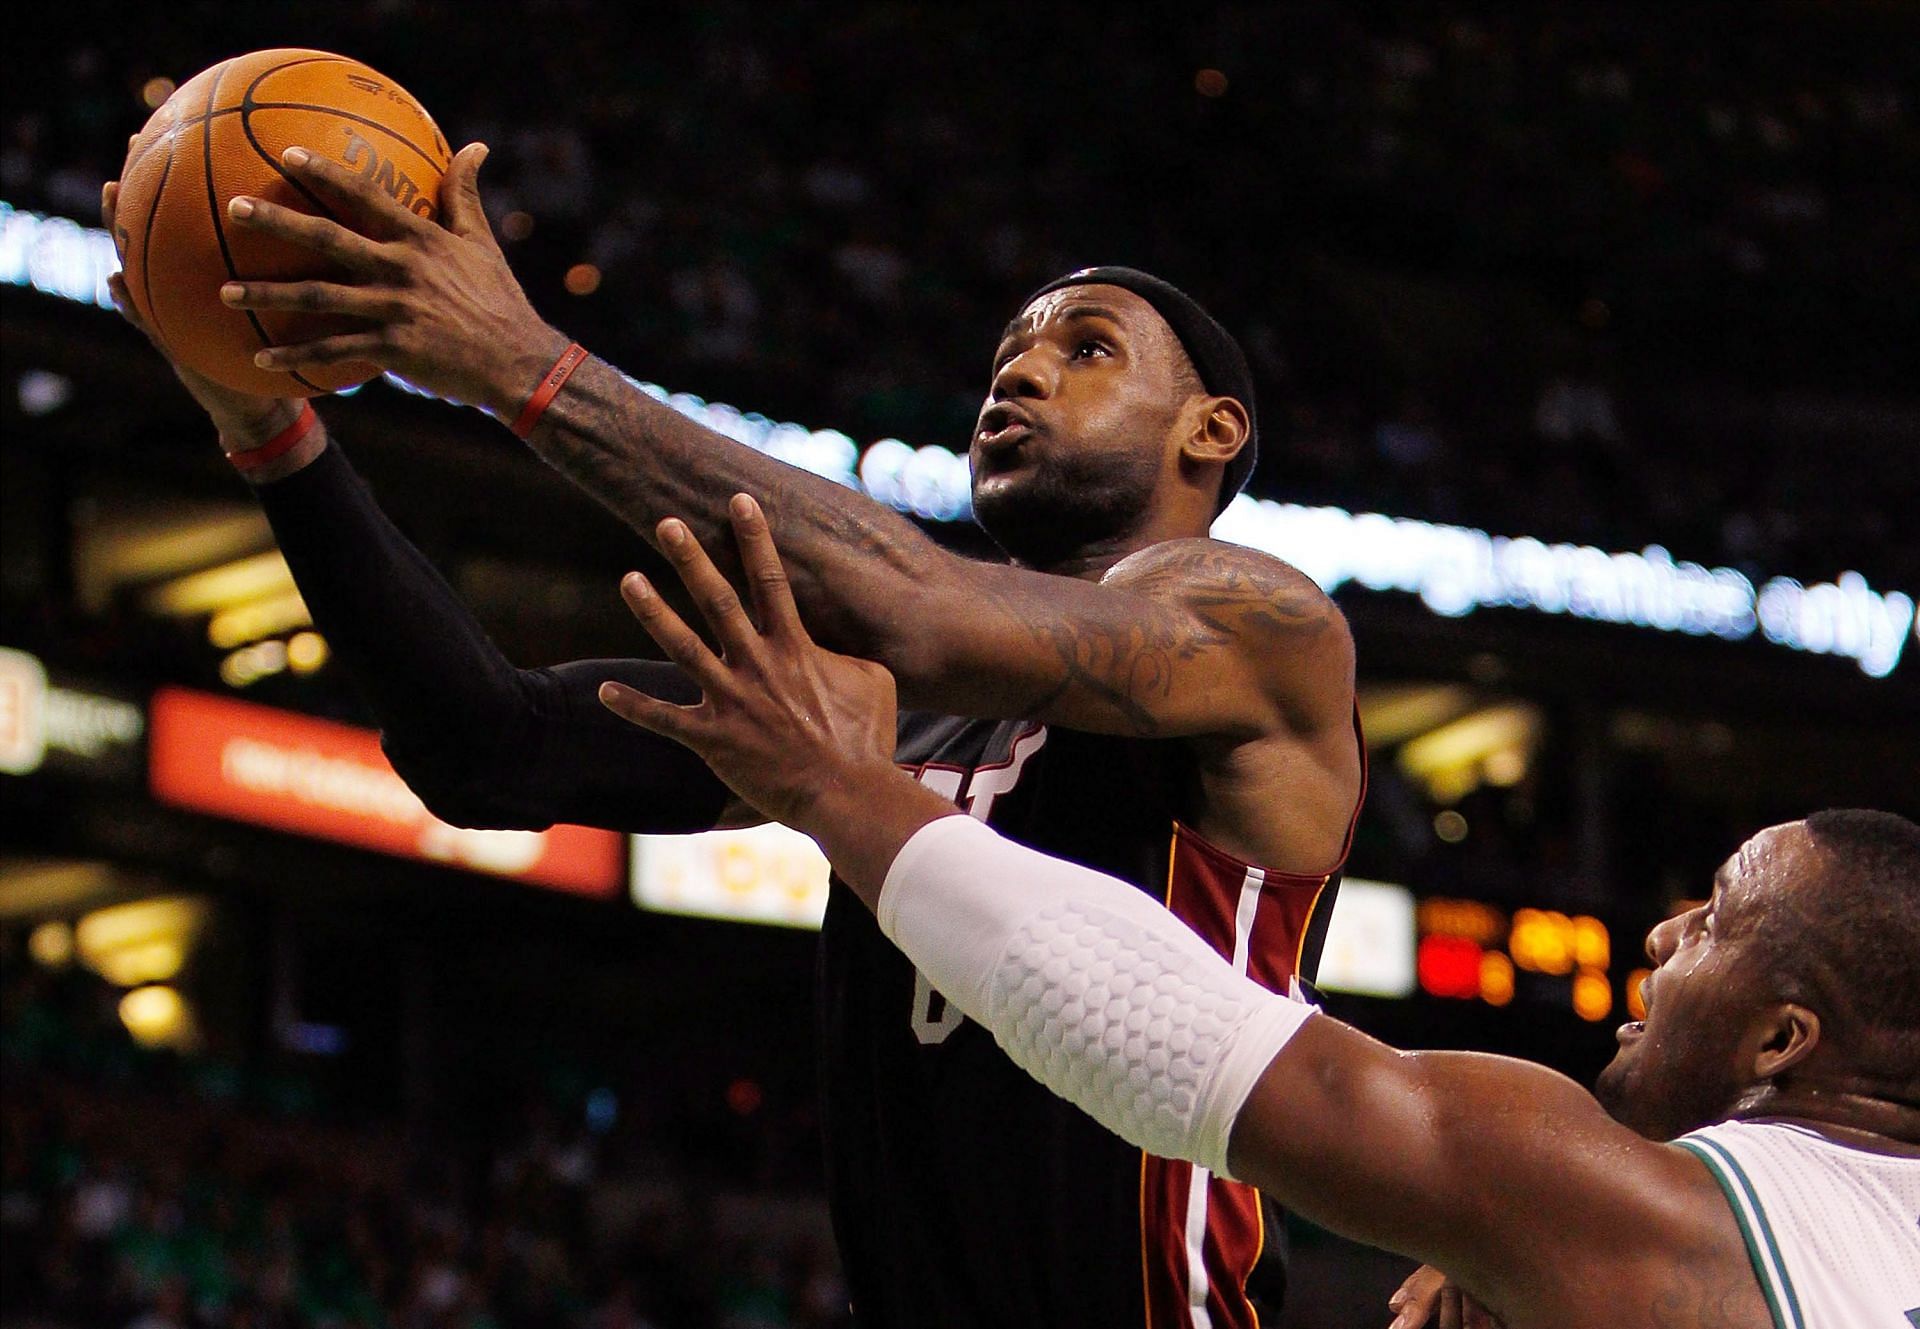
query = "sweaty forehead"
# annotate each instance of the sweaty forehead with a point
(1779, 867)
(1131, 311)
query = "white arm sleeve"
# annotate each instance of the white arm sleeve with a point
(1089, 985)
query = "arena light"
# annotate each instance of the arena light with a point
(146, 941)
(758, 874)
(1454, 570)
(243, 581)
(51, 944)
(158, 1017)
(1369, 947)
(1451, 756)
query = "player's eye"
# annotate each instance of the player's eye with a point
(1089, 348)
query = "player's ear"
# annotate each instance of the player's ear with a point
(1220, 428)
(1787, 1038)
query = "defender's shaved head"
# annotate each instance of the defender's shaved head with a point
(1852, 951)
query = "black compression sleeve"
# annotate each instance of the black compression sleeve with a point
(481, 742)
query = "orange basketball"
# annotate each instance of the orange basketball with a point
(221, 135)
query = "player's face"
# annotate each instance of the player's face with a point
(1691, 1061)
(1076, 431)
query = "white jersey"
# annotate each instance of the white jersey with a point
(1834, 1231)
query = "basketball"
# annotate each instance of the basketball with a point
(220, 135)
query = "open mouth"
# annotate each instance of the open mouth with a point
(1004, 438)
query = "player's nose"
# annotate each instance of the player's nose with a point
(1664, 937)
(1028, 374)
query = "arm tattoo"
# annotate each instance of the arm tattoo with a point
(1187, 600)
(863, 574)
(644, 461)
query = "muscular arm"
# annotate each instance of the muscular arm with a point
(1185, 638)
(1206, 642)
(1503, 1173)
(482, 742)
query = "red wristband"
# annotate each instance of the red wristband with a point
(570, 359)
(280, 444)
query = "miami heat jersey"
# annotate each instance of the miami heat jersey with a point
(963, 1193)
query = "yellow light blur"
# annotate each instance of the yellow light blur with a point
(1471, 738)
(147, 962)
(1592, 995)
(1442, 916)
(1636, 1002)
(306, 652)
(157, 1016)
(1391, 713)
(1505, 768)
(250, 664)
(1592, 944)
(261, 618)
(1453, 784)
(244, 580)
(51, 944)
(40, 886)
(1449, 760)
(155, 91)
(582, 279)
(1496, 978)
(1450, 826)
(1542, 941)
(144, 942)
(138, 541)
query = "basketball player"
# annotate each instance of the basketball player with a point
(1127, 693)
(1780, 1052)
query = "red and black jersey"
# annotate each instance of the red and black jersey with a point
(964, 1193)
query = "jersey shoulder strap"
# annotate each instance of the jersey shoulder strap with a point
(1833, 1230)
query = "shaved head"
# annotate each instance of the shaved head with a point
(1852, 950)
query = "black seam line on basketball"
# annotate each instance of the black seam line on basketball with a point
(246, 109)
(146, 245)
(205, 116)
(246, 127)
(246, 100)
(220, 230)
(419, 151)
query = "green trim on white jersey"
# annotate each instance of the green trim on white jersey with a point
(1762, 1248)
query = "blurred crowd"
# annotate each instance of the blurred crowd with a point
(142, 1189)
(1590, 272)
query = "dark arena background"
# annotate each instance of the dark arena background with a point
(1587, 354)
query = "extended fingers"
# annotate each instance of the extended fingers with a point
(312, 297)
(348, 347)
(680, 642)
(766, 575)
(635, 707)
(351, 250)
(711, 591)
(354, 193)
(461, 210)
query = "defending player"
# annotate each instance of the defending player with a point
(1130, 695)
(1780, 1052)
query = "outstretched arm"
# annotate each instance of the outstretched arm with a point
(1187, 639)
(1099, 993)
(481, 742)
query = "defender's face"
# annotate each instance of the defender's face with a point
(1688, 1063)
(1074, 433)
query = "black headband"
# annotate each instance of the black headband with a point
(1216, 356)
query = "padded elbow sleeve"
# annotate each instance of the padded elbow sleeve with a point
(1089, 985)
